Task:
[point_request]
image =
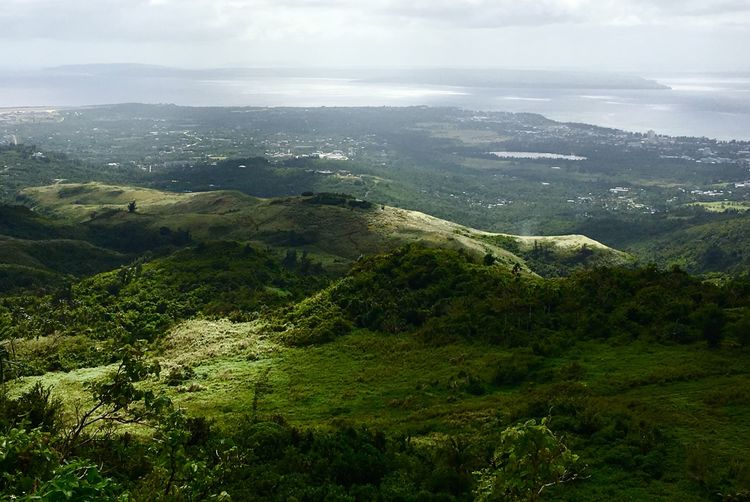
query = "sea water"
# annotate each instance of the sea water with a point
(713, 105)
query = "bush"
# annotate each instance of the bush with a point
(529, 459)
(709, 320)
(572, 371)
(38, 409)
(179, 374)
(514, 369)
(26, 459)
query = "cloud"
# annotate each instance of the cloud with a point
(373, 32)
(103, 20)
(505, 13)
(179, 21)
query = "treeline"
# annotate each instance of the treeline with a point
(25, 166)
(442, 296)
(439, 296)
(699, 241)
(84, 322)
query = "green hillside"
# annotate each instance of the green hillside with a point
(61, 255)
(22, 223)
(720, 246)
(38, 252)
(83, 321)
(22, 166)
(331, 304)
(698, 240)
(642, 373)
(335, 229)
(323, 347)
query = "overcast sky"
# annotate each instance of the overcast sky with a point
(632, 35)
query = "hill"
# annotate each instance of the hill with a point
(445, 353)
(698, 240)
(78, 323)
(38, 252)
(716, 246)
(336, 229)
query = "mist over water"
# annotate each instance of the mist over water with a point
(712, 105)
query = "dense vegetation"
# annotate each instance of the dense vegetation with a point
(37, 252)
(87, 319)
(433, 160)
(177, 346)
(24, 165)
(441, 296)
(188, 459)
(531, 329)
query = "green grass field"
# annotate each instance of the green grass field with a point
(724, 205)
(334, 233)
(698, 400)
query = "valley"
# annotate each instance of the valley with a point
(366, 303)
(433, 160)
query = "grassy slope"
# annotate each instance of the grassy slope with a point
(334, 234)
(649, 418)
(393, 383)
(37, 251)
(719, 246)
(64, 256)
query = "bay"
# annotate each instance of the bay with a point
(711, 105)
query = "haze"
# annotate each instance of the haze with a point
(622, 35)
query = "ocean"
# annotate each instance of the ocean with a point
(711, 105)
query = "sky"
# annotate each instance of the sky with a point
(644, 36)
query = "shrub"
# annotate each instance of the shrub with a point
(530, 459)
(709, 321)
(514, 369)
(38, 409)
(572, 371)
(179, 374)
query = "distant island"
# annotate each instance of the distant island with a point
(457, 77)
(513, 79)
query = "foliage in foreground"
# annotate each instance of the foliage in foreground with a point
(529, 460)
(89, 456)
(432, 298)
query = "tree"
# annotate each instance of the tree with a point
(132, 206)
(710, 321)
(32, 470)
(8, 365)
(740, 330)
(117, 401)
(290, 260)
(529, 460)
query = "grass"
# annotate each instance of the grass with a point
(697, 398)
(724, 205)
(467, 136)
(68, 386)
(282, 223)
(387, 379)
